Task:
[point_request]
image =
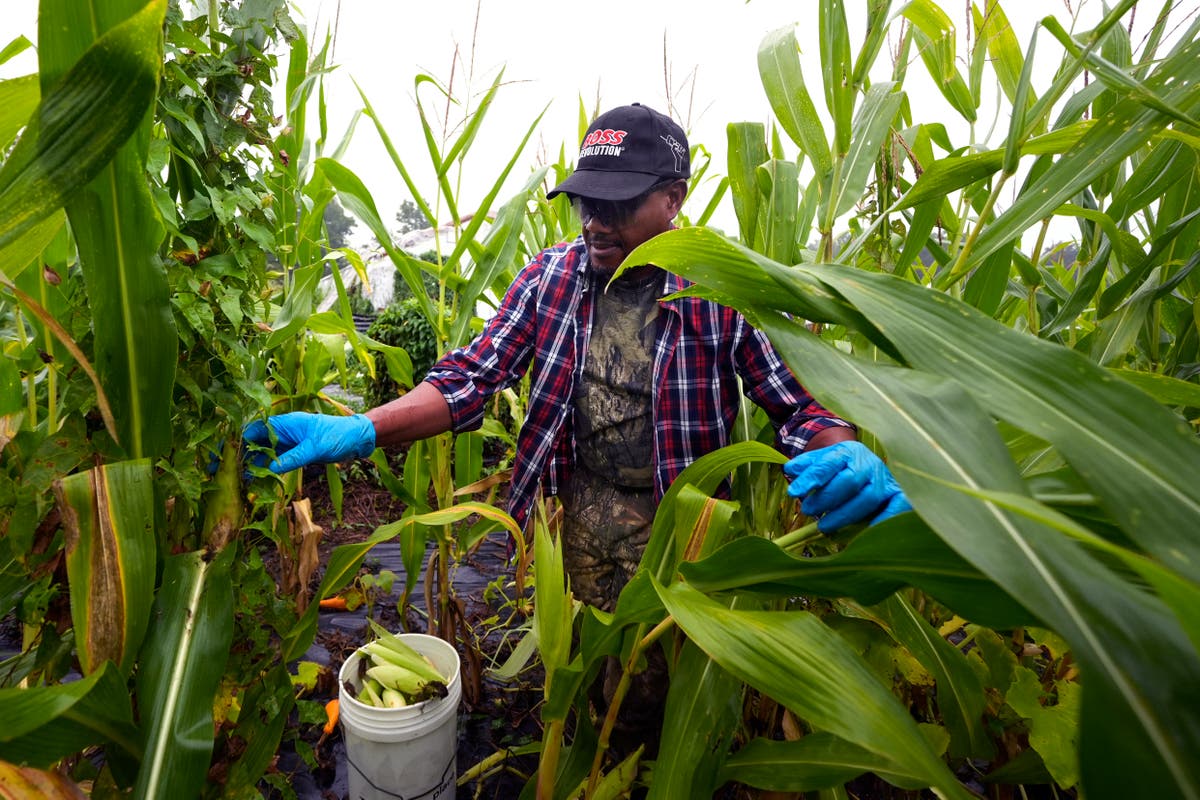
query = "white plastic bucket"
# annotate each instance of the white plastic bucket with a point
(405, 752)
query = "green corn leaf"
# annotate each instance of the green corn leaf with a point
(468, 458)
(1138, 658)
(952, 173)
(11, 406)
(180, 669)
(297, 306)
(46, 723)
(877, 28)
(18, 100)
(439, 164)
(24, 250)
(1114, 76)
(836, 70)
(705, 474)
(1163, 388)
(793, 657)
(483, 211)
(81, 121)
(987, 286)
(703, 710)
(703, 702)
(462, 144)
(746, 151)
(935, 37)
(1112, 139)
(108, 514)
(1144, 486)
(1161, 248)
(358, 201)
(871, 128)
(396, 161)
(879, 561)
(413, 530)
(783, 80)
(1085, 290)
(1179, 594)
(1117, 333)
(1021, 101)
(14, 48)
(1149, 49)
(696, 245)
(1069, 71)
(779, 183)
(1134, 652)
(498, 250)
(1152, 177)
(1004, 51)
(114, 220)
(817, 761)
(552, 602)
(960, 695)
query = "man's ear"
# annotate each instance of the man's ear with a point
(676, 194)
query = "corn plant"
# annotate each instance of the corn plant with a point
(1034, 613)
(475, 268)
(133, 348)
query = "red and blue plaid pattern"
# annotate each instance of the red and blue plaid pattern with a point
(543, 325)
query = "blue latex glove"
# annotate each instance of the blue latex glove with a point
(843, 484)
(305, 439)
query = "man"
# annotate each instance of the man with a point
(626, 389)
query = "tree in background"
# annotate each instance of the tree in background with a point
(410, 218)
(338, 225)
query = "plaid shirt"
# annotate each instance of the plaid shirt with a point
(543, 325)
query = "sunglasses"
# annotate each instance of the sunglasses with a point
(615, 213)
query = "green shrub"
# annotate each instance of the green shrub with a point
(401, 324)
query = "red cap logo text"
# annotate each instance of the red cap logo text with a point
(605, 136)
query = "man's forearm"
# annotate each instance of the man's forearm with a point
(421, 413)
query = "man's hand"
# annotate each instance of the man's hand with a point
(843, 484)
(305, 439)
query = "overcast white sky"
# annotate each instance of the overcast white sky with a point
(552, 52)
(556, 51)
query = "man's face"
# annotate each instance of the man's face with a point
(612, 229)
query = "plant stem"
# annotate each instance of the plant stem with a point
(614, 705)
(214, 20)
(959, 267)
(484, 767)
(549, 762)
(31, 378)
(1032, 316)
(799, 536)
(656, 633)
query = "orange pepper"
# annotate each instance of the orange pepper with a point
(333, 604)
(331, 713)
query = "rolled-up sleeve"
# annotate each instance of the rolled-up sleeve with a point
(772, 386)
(496, 358)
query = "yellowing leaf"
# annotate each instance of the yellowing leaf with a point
(1053, 729)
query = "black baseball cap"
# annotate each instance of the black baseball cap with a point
(625, 152)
